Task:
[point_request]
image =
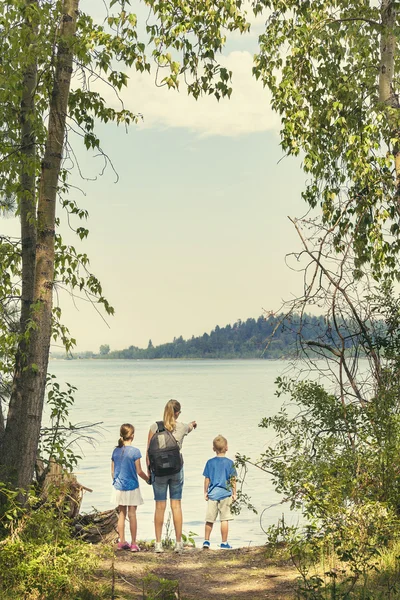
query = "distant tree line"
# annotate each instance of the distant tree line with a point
(268, 337)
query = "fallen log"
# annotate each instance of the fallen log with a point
(97, 526)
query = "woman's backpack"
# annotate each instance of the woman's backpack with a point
(164, 453)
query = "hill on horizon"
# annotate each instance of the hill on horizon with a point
(268, 337)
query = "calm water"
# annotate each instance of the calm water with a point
(226, 397)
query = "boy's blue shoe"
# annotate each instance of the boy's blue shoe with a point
(225, 546)
(206, 544)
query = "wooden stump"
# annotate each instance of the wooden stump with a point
(64, 488)
(66, 491)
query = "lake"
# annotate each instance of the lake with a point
(224, 397)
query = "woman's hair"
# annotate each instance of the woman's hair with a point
(172, 408)
(125, 433)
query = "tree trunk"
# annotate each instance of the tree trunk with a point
(27, 188)
(387, 94)
(27, 199)
(21, 437)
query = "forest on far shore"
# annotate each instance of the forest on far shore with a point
(268, 337)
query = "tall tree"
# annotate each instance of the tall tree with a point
(38, 253)
(43, 44)
(331, 67)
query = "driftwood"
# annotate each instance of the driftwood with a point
(67, 492)
(97, 526)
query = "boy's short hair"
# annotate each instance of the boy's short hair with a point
(220, 443)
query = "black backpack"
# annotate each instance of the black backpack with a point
(164, 453)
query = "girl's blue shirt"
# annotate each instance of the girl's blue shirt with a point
(125, 476)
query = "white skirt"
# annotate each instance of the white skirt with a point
(126, 498)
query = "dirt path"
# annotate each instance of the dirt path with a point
(242, 574)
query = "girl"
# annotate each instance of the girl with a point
(173, 483)
(125, 468)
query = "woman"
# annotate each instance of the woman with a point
(173, 483)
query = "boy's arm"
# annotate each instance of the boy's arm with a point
(233, 484)
(206, 485)
(112, 470)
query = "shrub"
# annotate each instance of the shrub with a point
(39, 560)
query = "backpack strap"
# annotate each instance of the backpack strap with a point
(160, 426)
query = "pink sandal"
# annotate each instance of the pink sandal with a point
(135, 548)
(123, 546)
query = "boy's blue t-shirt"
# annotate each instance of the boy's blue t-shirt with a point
(219, 471)
(125, 476)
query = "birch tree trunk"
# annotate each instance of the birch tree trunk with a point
(27, 200)
(21, 437)
(27, 191)
(387, 95)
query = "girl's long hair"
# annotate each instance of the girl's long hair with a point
(172, 408)
(125, 433)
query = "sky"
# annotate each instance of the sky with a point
(195, 231)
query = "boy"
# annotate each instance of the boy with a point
(219, 491)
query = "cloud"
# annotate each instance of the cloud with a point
(247, 111)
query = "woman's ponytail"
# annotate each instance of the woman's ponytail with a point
(171, 410)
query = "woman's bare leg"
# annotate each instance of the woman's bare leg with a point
(177, 518)
(159, 518)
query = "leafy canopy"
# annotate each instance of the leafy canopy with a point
(324, 62)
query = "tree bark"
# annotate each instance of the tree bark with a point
(21, 438)
(387, 93)
(388, 51)
(27, 187)
(27, 200)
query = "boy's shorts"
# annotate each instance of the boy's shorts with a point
(223, 507)
(173, 483)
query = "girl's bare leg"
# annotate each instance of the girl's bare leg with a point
(132, 522)
(121, 523)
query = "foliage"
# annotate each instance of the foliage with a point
(10, 509)
(330, 66)
(188, 538)
(155, 588)
(40, 561)
(331, 453)
(54, 439)
(349, 560)
(336, 459)
(59, 438)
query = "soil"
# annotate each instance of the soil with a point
(241, 574)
